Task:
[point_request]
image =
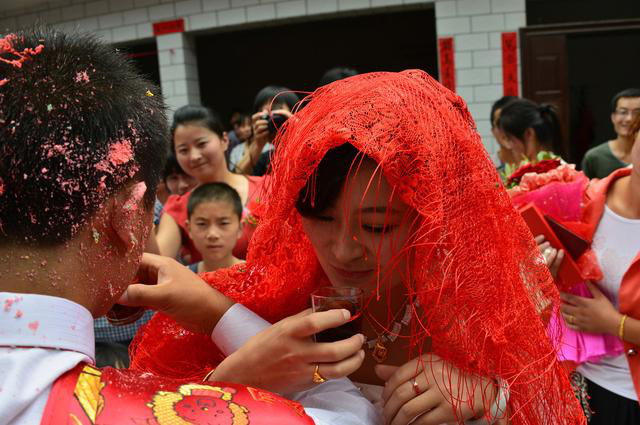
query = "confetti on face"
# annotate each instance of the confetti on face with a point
(149, 94)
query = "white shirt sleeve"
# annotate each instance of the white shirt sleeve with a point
(236, 327)
(336, 401)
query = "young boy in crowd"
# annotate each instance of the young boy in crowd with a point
(214, 211)
(82, 143)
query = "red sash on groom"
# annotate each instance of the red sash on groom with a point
(87, 395)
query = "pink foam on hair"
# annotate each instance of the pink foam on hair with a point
(6, 47)
(120, 152)
(82, 77)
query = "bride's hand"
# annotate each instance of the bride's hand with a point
(420, 392)
(283, 357)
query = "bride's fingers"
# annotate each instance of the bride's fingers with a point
(409, 401)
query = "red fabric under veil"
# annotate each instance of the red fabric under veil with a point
(477, 271)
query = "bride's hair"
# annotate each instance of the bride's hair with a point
(323, 187)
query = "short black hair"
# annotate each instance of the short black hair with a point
(197, 115)
(282, 95)
(337, 73)
(323, 187)
(215, 192)
(172, 166)
(500, 104)
(77, 124)
(632, 92)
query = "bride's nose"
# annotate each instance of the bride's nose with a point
(345, 246)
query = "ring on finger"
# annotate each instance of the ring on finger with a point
(317, 378)
(416, 387)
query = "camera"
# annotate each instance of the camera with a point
(275, 121)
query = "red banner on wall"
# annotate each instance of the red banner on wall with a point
(510, 63)
(168, 27)
(447, 63)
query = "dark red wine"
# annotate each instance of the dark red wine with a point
(349, 329)
(352, 327)
(121, 315)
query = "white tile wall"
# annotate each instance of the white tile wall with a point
(111, 20)
(188, 7)
(263, 12)
(353, 4)
(120, 5)
(478, 51)
(162, 12)
(487, 23)
(136, 16)
(232, 17)
(324, 6)
(202, 21)
(125, 33)
(446, 9)
(465, 42)
(96, 7)
(473, 7)
(457, 25)
(487, 58)
(215, 4)
(243, 3)
(473, 77)
(500, 6)
(289, 9)
(380, 3)
(463, 60)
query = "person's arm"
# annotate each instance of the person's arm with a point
(168, 237)
(152, 244)
(168, 286)
(259, 139)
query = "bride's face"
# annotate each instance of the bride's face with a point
(365, 235)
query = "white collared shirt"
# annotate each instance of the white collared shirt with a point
(42, 337)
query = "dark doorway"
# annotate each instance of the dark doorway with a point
(594, 78)
(145, 59)
(233, 66)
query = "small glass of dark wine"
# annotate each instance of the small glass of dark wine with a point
(330, 298)
(121, 315)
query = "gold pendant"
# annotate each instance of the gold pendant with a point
(380, 352)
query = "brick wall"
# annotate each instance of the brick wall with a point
(476, 26)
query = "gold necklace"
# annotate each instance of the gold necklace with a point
(378, 347)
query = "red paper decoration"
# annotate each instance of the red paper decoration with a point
(510, 63)
(447, 63)
(168, 27)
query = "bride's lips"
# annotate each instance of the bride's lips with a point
(352, 274)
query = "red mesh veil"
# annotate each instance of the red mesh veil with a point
(477, 272)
